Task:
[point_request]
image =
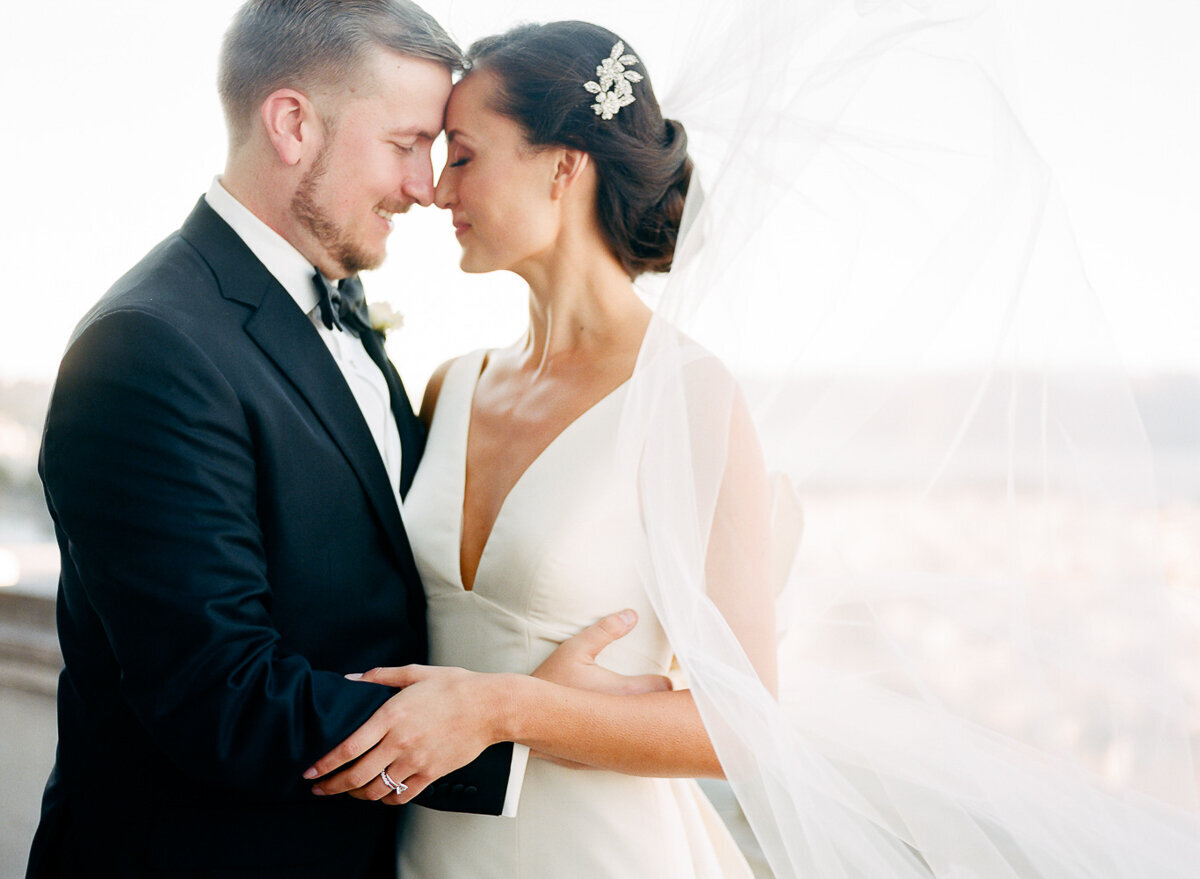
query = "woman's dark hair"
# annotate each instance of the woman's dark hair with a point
(641, 159)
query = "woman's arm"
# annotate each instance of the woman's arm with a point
(738, 577)
(662, 734)
(444, 717)
(445, 714)
(432, 389)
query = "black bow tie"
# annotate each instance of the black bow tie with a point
(343, 306)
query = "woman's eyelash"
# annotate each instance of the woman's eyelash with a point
(459, 163)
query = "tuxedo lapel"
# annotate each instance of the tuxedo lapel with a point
(412, 431)
(288, 338)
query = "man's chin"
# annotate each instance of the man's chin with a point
(361, 260)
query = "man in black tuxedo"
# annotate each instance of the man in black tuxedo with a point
(223, 458)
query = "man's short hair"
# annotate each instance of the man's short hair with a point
(310, 44)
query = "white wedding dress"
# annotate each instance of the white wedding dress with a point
(561, 554)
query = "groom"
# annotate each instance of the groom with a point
(223, 458)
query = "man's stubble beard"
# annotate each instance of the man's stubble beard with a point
(305, 208)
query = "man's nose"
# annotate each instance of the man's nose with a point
(443, 194)
(419, 189)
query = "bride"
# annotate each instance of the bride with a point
(524, 516)
(956, 698)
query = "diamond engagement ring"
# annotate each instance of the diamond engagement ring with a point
(396, 786)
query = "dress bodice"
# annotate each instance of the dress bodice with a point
(563, 552)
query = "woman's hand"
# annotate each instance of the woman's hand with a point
(444, 717)
(441, 720)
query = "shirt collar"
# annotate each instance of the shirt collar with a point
(281, 259)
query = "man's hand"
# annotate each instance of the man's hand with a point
(573, 663)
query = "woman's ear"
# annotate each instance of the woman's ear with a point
(287, 117)
(569, 167)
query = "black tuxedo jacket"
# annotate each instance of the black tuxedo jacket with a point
(230, 549)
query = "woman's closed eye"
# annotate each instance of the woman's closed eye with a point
(458, 163)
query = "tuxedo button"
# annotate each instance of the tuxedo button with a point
(443, 787)
(472, 790)
(457, 790)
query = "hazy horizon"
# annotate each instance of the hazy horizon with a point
(99, 174)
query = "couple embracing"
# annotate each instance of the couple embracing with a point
(251, 516)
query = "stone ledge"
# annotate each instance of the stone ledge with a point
(30, 659)
(26, 609)
(38, 680)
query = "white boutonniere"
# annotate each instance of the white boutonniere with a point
(384, 317)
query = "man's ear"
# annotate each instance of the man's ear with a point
(289, 119)
(568, 169)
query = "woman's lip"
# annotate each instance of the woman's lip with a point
(459, 228)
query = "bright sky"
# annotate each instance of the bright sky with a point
(114, 130)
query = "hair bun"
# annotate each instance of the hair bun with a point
(658, 227)
(641, 160)
(654, 239)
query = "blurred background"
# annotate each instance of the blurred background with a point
(113, 130)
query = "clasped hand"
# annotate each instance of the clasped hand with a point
(442, 718)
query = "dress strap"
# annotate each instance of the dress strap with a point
(458, 388)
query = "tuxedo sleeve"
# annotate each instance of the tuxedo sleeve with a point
(151, 477)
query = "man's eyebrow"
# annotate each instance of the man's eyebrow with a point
(412, 131)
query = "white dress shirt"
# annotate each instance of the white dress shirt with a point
(363, 377)
(295, 274)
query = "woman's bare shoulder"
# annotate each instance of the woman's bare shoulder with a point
(432, 389)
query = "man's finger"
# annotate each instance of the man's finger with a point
(600, 634)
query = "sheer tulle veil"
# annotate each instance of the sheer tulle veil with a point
(979, 658)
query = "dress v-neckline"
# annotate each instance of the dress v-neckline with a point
(462, 499)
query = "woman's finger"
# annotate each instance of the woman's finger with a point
(378, 790)
(415, 784)
(360, 741)
(394, 676)
(363, 775)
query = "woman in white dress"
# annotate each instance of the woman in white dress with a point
(523, 526)
(523, 523)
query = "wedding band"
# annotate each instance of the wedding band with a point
(396, 786)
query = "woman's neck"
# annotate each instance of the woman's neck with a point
(581, 305)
